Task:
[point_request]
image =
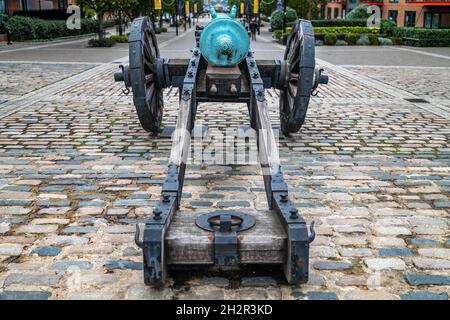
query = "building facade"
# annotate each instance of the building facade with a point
(11, 6)
(433, 14)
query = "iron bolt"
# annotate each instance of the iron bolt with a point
(249, 54)
(193, 63)
(255, 75)
(252, 63)
(283, 198)
(185, 92)
(293, 213)
(166, 198)
(157, 213)
(190, 74)
(195, 52)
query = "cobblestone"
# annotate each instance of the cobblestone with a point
(370, 168)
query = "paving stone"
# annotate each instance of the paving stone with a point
(423, 295)
(394, 252)
(46, 251)
(369, 295)
(80, 229)
(14, 211)
(71, 265)
(33, 279)
(346, 280)
(319, 295)
(427, 279)
(31, 228)
(385, 263)
(25, 295)
(424, 242)
(123, 264)
(10, 249)
(233, 204)
(54, 211)
(390, 231)
(4, 228)
(435, 252)
(430, 263)
(345, 229)
(258, 281)
(117, 212)
(89, 211)
(64, 240)
(121, 229)
(332, 265)
(355, 252)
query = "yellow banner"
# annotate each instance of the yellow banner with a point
(242, 8)
(158, 5)
(255, 6)
(195, 8)
(187, 7)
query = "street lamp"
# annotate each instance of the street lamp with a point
(284, 16)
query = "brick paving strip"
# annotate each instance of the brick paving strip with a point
(77, 172)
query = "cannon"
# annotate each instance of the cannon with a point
(222, 68)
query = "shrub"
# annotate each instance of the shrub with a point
(384, 41)
(424, 37)
(351, 38)
(277, 34)
(387, 27)
(397, 41)
(345, 30)
(159, 30)
(330, 39)
(340, 23)
(120, 39)
(26, 28)
(373, 39)
(363, 41)
(358, 13)
(104, 42)
(319, 43)
(3, 18)
(341, 43)
(276, 18)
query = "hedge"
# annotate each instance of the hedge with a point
(3, 18)
(424, 37)
(25, 28)
(340, 23)
(345, 30)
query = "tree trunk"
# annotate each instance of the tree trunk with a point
(100, 26)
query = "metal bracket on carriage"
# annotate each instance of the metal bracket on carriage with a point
(123, 75)
(225, 224)
(319, 78)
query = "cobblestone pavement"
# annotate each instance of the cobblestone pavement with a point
(369, 167)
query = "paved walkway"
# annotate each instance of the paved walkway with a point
(369, 167)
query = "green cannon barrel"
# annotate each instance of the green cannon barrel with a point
(224, 42)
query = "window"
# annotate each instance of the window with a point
(62, 4)
(392, 15)
(393, 1)
(410, 18)
(336, 13)
(3, 7)
(432, 20)
(328, 13)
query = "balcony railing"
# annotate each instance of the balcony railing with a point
(378, 2)
(429, 1)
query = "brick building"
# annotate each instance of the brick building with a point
(409, 13)
(11, 6)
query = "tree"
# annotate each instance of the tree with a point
(101, 8)
(358, 13)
